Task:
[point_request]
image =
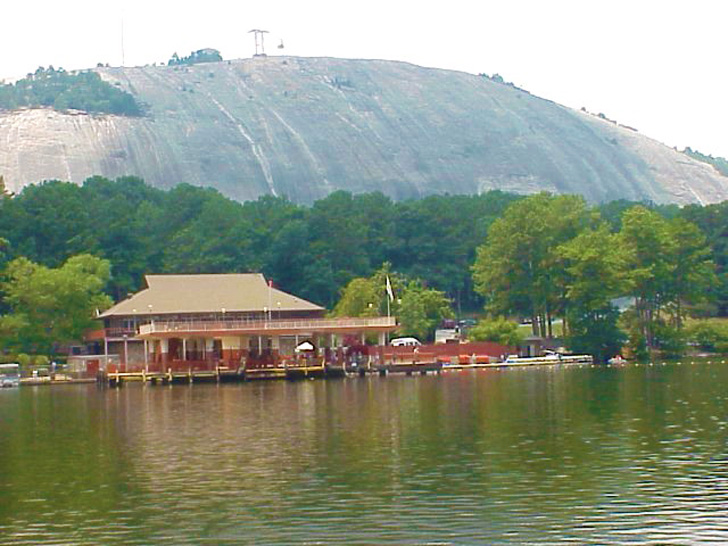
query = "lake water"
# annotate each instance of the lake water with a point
(632, 455)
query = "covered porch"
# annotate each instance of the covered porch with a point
(254, 345)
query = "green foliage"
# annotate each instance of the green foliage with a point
(595, 268)
(418, 308)
(367, 297)
(24, 360)
(310, 251)
(41, 360)
(720, 163)
(708, 335)
(499, 330)
(671, 340)
(542, 255)
(712, 221)
(200, 56)
(421, 309)
(549, 256)
(669, 266)
(443, 254)
(595, 331)
(52, 306)
(360, 298)
(595, 272)
(515, 269)
(63, 90)
(636, 346)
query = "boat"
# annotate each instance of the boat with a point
(9, 375)
(617, 361)
(548, 358)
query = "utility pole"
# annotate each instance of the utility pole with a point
(123, 60)
(259, 45)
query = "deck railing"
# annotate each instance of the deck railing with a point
(257, 325)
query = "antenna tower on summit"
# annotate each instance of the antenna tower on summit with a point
(259, 45)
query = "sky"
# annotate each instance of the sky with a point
(658, 66)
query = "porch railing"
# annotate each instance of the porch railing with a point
(243, 326)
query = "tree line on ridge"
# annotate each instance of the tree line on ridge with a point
(538, 258)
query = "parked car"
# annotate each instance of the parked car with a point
(405, 342)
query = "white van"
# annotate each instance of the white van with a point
(405, 342)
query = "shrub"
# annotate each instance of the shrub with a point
(41, 360)
(24, 360)
(708, 335)
(671, 341)
(498, 330)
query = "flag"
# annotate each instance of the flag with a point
(390, 293)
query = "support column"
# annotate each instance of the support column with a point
(126, 353)
(146, 356)
(231, 350)
(338, 343)
(275, 347)
(164, 349)
(209, 348)
(244, 351)
(184, 349)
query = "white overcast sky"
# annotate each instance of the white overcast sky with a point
(659, 66)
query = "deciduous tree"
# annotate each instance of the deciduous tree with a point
(53, 306)
(517, 268)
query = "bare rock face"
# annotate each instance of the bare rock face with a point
(304, 127)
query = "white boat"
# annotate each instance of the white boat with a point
(549, 358)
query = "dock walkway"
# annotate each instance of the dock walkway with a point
(312, 371)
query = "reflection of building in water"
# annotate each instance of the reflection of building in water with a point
(227, 320)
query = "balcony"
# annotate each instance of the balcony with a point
(109, 333)
(266, 327)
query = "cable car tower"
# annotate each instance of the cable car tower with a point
(259, 45)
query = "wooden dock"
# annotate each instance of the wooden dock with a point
(313, 371)
(218, 375)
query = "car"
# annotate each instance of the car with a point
(405, 342)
